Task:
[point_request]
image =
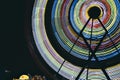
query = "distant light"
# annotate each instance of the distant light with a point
(24, 77)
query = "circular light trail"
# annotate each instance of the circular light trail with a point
(67, 19)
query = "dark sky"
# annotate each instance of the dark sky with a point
(14, 52)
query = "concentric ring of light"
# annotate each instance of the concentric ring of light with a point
(54, 60)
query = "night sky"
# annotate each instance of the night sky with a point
(14, 52)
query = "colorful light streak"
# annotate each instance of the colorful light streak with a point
(66, 30)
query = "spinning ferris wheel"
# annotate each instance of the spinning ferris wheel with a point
(76, 39)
